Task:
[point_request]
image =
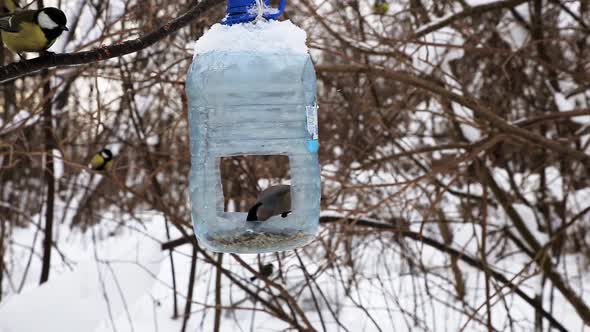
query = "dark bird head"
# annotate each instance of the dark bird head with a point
(106, 154)
(253, 212)
(53, 21)
(267, 269)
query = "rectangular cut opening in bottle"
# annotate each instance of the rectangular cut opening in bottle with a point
(243, 178)
(236, 182)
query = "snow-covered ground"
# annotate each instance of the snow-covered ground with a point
(115, 278)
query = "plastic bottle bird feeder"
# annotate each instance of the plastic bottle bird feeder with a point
(252, 91)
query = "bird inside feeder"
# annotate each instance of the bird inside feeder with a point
(257, 185)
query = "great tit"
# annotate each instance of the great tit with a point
(102, 161)
(380, 7)
(265, 271)
(32, 30)
(8, 6)
(272, 201)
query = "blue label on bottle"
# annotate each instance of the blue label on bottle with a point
(313, 145)
(311, 113)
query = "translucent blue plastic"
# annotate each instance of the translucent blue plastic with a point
(238, 11)
(247, 103)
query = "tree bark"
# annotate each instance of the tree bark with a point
(217, 324)
(49, 177)
(189, 293)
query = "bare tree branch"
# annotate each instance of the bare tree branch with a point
(474, 262)
(21, 68)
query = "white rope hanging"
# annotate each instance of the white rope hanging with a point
(260, 8)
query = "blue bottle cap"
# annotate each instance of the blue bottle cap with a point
(240, 11)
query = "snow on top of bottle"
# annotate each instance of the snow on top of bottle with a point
(262, 37)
